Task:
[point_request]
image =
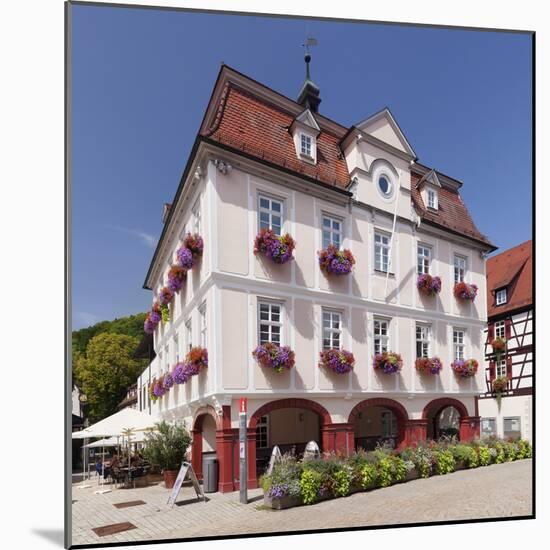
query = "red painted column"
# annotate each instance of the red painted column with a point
(196, 452)
(338, 438)
(416, 431)
(224, 449)
(469, 428)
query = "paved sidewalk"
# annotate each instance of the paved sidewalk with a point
(502, 490)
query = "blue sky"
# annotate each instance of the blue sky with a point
(141, 80)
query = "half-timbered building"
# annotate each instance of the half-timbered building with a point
(505, 406)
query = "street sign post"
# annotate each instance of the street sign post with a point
(243, 462)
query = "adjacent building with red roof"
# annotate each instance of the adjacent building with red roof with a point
(405, 279)
(506, 404)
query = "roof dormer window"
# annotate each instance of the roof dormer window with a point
(306, 145)
(432, 199)
(501, 297)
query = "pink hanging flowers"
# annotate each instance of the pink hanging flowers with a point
(194, 243)
(335, 261)
(338, 361)
(388, 362)
(277, 248)
(274, 357)
(428, 365)
(428, 285)
(465, 368)
(465, 291)
(176, 277)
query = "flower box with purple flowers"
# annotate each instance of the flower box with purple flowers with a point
(428, 285)
(335, 261)
(339, 361)
(278, 358)
(388, 362)
(194, 243)
(465, 291)
(176, 277)
(428, 365)
(465, 368)
(277, 248)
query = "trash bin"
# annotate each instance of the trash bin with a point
(210, 473)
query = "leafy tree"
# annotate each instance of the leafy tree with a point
(105, 371)
(131, 326)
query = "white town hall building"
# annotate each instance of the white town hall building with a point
(264, 163)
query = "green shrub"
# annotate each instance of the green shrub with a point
(167, 447)
(384, 471)
(399, 469)
(445, 462)
(510, 451)
(484, 455)
(501, 456)
(343, 481)
(310, 483)
(524, 449)
(369, 476)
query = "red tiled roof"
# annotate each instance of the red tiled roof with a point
(248, 124)
(451, 212)
(512, 269)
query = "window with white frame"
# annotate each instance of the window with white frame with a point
(423, 333)
(269, 322)
(381, 252)
(306, 145)
(432, 199)
(381, 335)
(460, 268)
(197, 216)
(512, 426)
(459, 345)
(501, 368)
(262, 432)
(202, 314)
(488, 427)
(388, 422)
(501, 296)
(332, 329)
(189, 334)
(270, 214)
(160, 364)
(500, 329)
(332, 231)
(423, 255)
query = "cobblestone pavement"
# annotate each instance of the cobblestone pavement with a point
(468, 494)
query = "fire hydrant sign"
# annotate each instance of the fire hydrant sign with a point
(242, 405)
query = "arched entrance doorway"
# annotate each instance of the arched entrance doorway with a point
(290, 424)
(206, 426)
(378, 421)
(449, 417)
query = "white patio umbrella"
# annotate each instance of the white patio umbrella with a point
(124, 422)
(107, 442)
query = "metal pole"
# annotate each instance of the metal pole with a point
(243, 462)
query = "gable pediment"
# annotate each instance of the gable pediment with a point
(430, 177)
(306, 118)
(383, 126)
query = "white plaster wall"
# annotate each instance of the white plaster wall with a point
(521, 406)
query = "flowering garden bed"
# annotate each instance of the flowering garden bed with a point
(294, 482)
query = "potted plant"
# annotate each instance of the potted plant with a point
(500, 385)
(194, 243)
(339, 361)
(428, 365)
(465, 291)
(195, 360)
(277, 248)
(387, 362)
(499, 346)
(273, 356)
(165, 297)
(176, 277)
(428, 285)
(166, 448)
(335, 261)
(465, 368)
(152, 319)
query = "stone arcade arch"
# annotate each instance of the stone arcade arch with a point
(469, 425)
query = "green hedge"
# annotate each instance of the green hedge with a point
(336, 476)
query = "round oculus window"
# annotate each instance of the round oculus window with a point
(385, 186)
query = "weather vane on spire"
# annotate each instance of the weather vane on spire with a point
(310, 41)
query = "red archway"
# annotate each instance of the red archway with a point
(397, 408)
(334, 437)
(223, 425)
(469, 425)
